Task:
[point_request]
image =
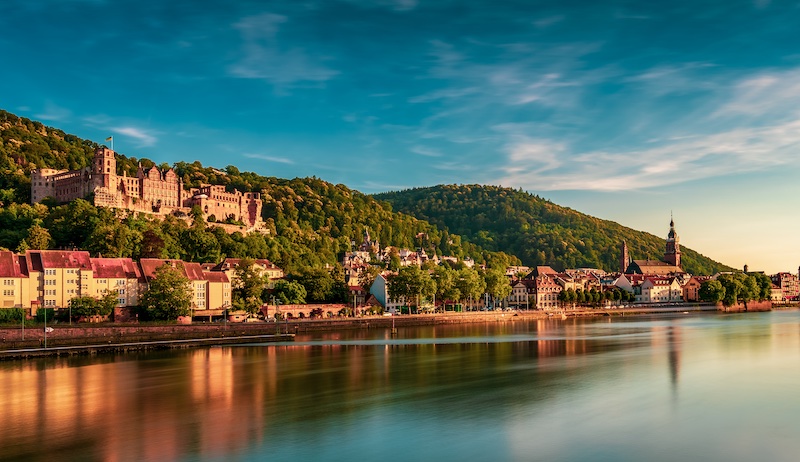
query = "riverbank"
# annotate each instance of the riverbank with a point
(99, 338)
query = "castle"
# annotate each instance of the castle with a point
(150, 191)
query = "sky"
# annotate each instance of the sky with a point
(627, 111)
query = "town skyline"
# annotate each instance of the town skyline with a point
(625, 113)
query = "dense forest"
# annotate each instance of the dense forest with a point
(311, 222)
(537, 231)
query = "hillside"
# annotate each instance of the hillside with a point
(537, 231)
(311, 222)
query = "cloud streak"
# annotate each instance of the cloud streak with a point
(279, 160)
(144, 137)
(263, 57)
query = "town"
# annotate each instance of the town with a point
(374, 276)
(378, 280)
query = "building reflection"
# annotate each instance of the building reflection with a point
(209, 403)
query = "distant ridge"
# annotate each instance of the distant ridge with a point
(537, 231)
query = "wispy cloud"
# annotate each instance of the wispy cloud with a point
(263, 57)
(144, 137)
(426, 151)
(548, 21)
(280, 160)
(54, 112)
(548, 165)
(770, 93)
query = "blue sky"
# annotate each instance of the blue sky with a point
(623, 110)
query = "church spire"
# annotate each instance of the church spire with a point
(673, 250)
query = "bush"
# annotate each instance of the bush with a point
(11, 315)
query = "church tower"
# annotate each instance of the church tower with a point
(673, 253)
(624, 259)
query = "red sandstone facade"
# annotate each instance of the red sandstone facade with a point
(150, 191)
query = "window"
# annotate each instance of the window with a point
(120, 301)
(121, 282)
(8, 293)
(49, 303)
(49, 282)
(8, 282)
(49, 272)
(121, 291)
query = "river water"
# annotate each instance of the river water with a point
(709, 387)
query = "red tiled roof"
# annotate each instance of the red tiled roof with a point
(193, 271)
(62, 258)
(10, 265)
(215, 276)
(115, 268)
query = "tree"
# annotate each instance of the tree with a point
(411, 283)
(318, 283)
(289, 292)
(733, 287)
(470, 284)
(85, 306)
(367, 276)
(169, 294)
(38, 238)
(445, 279)
(497, 285)
(248, 285)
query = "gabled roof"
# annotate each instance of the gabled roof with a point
(10, 265)
(115, 268)
(193, 271)
(215, 276)
(59, 259)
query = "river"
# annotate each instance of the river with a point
(710, 387)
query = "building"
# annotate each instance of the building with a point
(51, 278)
(788, 284)
(660, 290)
(671, 264)
(150, 191)
(262, 266)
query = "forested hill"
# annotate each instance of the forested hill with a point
(537, 231)
(311, 222)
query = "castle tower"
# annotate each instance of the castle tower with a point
(624, 258)
(104, 167)
(673, 252)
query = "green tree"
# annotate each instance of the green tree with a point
(497, 285)
(38, 238)
(169, 294)
(411, 283)
(289, 292)
(248, 285)
(711, 291)
(470, 284)
(85, 306)
(367, 276)
(317, 282)
(445, 279)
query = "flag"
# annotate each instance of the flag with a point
(109, 138)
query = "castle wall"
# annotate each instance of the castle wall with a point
(150, 191)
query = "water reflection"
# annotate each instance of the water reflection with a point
(501, 391)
